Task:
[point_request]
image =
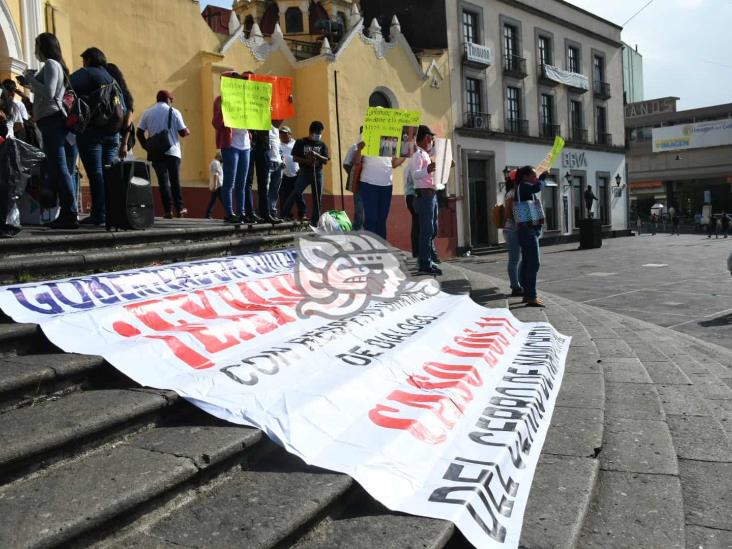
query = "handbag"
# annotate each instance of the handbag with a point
(528, 212)
(157, 145)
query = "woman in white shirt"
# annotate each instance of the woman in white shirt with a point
(48, 86)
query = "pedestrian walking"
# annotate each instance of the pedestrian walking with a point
(697, 222)
(527, 187)
(712, 227)
(160, 118)
(215, 182)
(311, 153)
(421, 169)
(725, 223)
(675, 224)
(638, 224)
(510, 235)
(654, 223)
(289, 175)
(48, 86)
(98, 147)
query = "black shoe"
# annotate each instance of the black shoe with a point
(182, 213)
(168, 215)
(436, 260)
(434, 271)
(92, 220)
(232, 219)
(272, 219)
(517, 292)
(64, 221)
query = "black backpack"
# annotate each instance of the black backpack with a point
(107, 108)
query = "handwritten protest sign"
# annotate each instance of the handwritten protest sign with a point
(282, 105)
(245, 104)
(546, 164)
(390, 132)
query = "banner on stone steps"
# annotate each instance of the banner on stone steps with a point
(435, 405)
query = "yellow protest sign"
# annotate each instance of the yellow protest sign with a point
(390, 132)
(546, 164)
(246, 104)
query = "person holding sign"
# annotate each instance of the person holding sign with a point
(421, 169)
(235, 145)
(311, 154)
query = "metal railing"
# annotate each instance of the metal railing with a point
(601, 89)
(514, 65)
(517, 126)
(604, 139)
(549, 130)
(579, 135)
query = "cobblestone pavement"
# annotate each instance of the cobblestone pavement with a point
(679, 282)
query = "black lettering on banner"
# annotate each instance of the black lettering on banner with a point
(496, 531)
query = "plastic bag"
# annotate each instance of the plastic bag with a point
(334, 221)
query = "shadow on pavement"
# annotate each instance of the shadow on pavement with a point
(724, 320)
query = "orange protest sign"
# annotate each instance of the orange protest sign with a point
(282, 105)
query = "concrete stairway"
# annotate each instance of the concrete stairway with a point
(637, 455)
(44, 253)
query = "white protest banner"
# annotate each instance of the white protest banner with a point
(435, 405)
(442, 154)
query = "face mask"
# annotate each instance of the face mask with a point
(316, 136)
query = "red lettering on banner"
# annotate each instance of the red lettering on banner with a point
(446, 387)
(256, 315)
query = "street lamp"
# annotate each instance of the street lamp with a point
(618, 187)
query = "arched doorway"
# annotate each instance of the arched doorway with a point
(11, 49)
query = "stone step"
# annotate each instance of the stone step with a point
(36, 436)
(25, 379)
(20, 339)
(85, 499)
(32, 265)
(360, 522)
(37, 240)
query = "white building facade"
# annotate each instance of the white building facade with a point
(522, 73)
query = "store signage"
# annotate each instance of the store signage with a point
(653, 106)
(574, 160)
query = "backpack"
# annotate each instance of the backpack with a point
(107, 108)
(76, 109)
(498, 215)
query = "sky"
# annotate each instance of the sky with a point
(685, 45)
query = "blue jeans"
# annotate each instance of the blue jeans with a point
(528, 239)
(514, 256)
(358, 213)
(97, 151)
(275, 179)
(54, 139)
(376, 204)
(314, 179)
(286, 188)
(414, 231)
(426, 207)
(236, 168)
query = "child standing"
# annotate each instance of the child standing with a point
(215, 180)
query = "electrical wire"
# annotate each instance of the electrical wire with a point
(636, 13)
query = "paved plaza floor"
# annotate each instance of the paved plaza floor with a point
(679, 282)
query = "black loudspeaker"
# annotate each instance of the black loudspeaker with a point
(129, 195)
(590, 233)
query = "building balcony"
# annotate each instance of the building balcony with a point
(515, 66)
(601, 89)
(549, 130)
(477, 121)
(477, 55)
(303, 50)
(578, 135)
(604, 139)
(517, 126)
(545, 76)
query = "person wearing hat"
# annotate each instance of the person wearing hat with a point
(289, 175)
(167, 168)
(421, 169)
(511, 237)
